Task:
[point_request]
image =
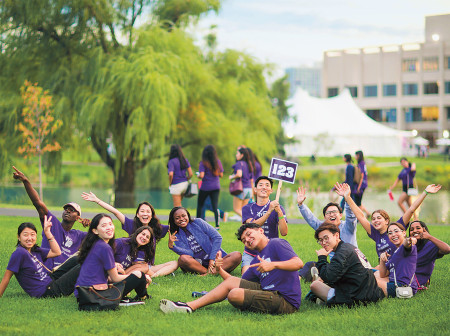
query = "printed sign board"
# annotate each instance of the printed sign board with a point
(283, 170)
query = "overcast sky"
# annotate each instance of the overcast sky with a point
(292, 33)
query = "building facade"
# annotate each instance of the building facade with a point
(404, 86)
(307, 78)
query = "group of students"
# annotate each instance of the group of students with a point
(247, 168)
(271, 270)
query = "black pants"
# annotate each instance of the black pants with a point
(138, 284)
(214, 195)
(64, 279)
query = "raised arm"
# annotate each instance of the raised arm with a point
(92, 198)
(344, 190)
(430, 189)
(309, 217)
(55, 250)
(5, 281)
(32, 193)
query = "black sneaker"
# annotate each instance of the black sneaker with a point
(142, 298)
(125, 302)
(168, 306)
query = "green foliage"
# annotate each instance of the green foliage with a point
(27, 316)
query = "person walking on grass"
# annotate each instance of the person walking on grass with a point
(362, 182)
(27, 264)
(197, 243)
(242, 169)
(407, 177)
(270, 215)
(271, 284)
(67, 238)
(177, 168)
(345, 280)
(145, 216)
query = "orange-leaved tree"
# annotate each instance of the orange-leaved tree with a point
(38, 124)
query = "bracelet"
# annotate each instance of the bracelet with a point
(281, 217)
(50, 239)
(426, 192)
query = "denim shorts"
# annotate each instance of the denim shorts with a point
(246, 259)
(245, 194)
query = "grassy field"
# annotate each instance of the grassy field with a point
(425, 314)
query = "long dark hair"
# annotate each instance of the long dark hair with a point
(420, 242)
(172, 226)
(359, 156)
(154, 223)
(24, 226)
(149, 248)
(254, 159)
(211, 160)
(176, 152)
(247, 158)
(91, 238)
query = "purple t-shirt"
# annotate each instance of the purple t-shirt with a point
(382, 241)
(30, 274)
(199, 252)
(122, 253)
(363, 168)
(94, 269)
(246, 173)
(210, 181)
(407, 177)
(425, 262)
(253, 210)
(68, 241)
(403, 261)
(179, 175)
(286, 283)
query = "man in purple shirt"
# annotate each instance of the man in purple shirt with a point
(271, 285)
(270, 215)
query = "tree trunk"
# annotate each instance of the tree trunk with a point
(124, 186)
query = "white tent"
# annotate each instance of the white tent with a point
(335, 126)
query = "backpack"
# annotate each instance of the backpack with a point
(357, 175)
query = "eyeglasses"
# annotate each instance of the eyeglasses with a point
(332, 212)
(394, 231)
(323, 240)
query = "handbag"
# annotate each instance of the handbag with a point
(411, 191)
(191, 190)
(236, 187)
(90, 298)
(404, 292)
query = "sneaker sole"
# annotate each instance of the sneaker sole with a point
(168, 306)
(127, 304)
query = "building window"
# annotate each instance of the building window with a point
(389, 90)
(332, 92)
(375, 114)
(430, 88)
(413, 114)
(390, 115)
(431, 63)
(410, 89)
(410, 65)
(447, 62)
(430, 113)
(370, 91)
(353, 91)
(448, 112)
(447, 87)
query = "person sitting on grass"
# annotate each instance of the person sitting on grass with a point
(145, 216)
(271, 284)
(67, 238)
(27, 264)
(429, 249)
(345, 280)
(399, 268)
(377, 231)
(197, 243)
(97, 264)
(270, 215)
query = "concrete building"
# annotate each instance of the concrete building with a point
(404, 86)
(307, 78)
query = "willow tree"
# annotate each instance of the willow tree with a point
(132, 91)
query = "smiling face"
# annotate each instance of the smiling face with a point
(181, 218)
(416, 230)
(332, 215)
(27, 238)
(396, 235)
(143, 238)
(144, 214)
(70, 214)
(379, 222)
(253, 238)
(328, 240)
(404, 163)
(263, 189)
(105, 229)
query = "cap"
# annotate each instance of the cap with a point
(75, 206)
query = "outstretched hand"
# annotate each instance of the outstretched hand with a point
(90, 196)
(301, 195)
(433, 188)
(18, 175)
(342, 189)
(384, 257)
(263, 265)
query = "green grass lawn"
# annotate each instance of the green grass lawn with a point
(425, 314)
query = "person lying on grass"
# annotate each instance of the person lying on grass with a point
(270, 215)
(345, 280)
(377, 231)
(399, 268)
(270, 285)
(67, 238)
(197, 243)
(145, 216)
(429, 249)
(27, 264)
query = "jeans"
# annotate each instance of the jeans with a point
(214, 195)
(64, 279)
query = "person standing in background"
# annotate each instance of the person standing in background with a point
(407, 177)
(177, 167)
(360, 181)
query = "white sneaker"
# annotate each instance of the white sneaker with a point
(168, 306)
(314, 273)
(126, 302)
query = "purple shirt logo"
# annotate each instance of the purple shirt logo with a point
(283, 170)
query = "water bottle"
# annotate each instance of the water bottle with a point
(391, 196)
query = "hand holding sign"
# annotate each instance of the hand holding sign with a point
(282, 170)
